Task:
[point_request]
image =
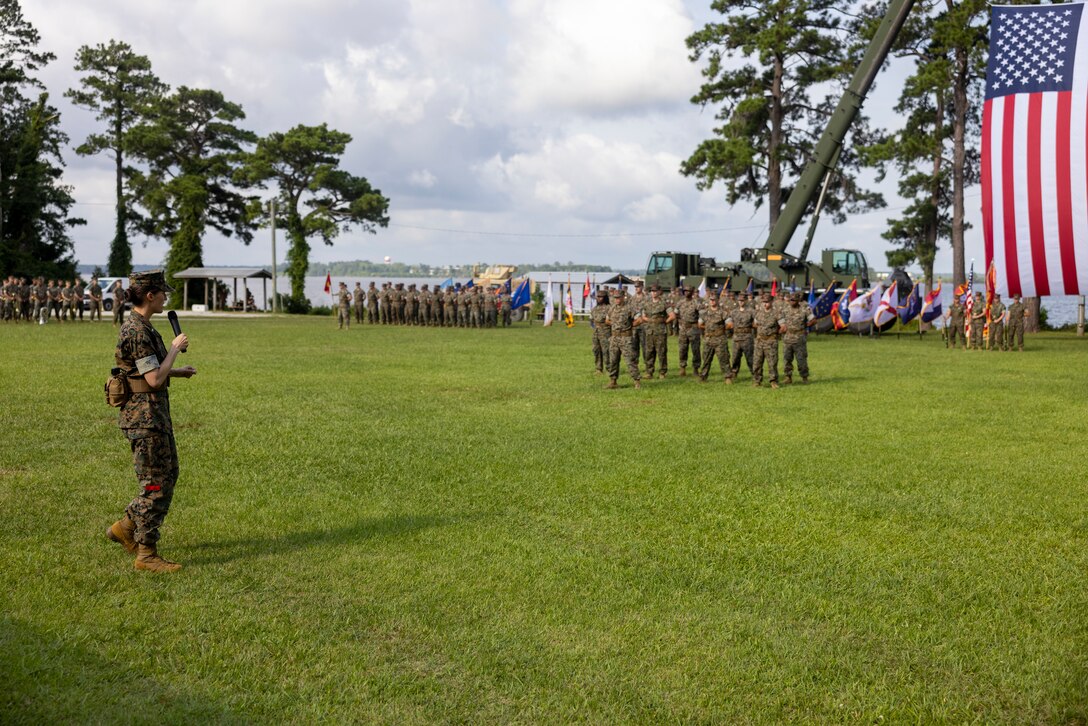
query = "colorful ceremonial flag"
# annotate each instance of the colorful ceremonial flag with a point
(1034, 149)
(812, 295)
(824, 305)
(886, 314)
(447, 282)
(863, 308)
(774, 287)
(931, 308)
(586, 291)
(506, 286)
(521, 296)
(549, 304)
(568, 306)
(910, 311)
(469, 284)
(702, 288)
(750, 289)
(969, 302)
(328, 282)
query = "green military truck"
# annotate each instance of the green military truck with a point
(761, 266)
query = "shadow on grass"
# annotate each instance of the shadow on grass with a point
(48, 680)
(364, 529)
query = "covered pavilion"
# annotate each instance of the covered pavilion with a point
(208, 274)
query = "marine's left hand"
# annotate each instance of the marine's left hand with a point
(184, 372)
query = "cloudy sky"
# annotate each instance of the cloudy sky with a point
(501, 131)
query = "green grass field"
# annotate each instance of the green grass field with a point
(419, 525)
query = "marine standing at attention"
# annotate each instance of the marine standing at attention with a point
(954, 329)
(656, 316)
(769, 324)
(997, 324)
(741, 321)
(144, 360)
(797, 317)
(621, 318)
(602, 332)
(1015, 331)
(118, 302)
(343, 310)
(687, 312)
(714, 326)
(978, 321)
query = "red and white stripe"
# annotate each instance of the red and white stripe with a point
(1035, 186)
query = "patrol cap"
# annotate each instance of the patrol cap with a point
(151, 279)
(655, 288)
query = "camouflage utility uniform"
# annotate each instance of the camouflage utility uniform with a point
(955, 331)
(767, 328)
(687, 312)
(343, 311)
(1015, 330)
(145, 421)
(795, 340)
(997, 325)
(715, 340)
(742, 320)
(978, 322)
(621, 318)
(602, 331)
(656, 313)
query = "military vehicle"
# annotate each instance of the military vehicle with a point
(771, 262)
(493, 275)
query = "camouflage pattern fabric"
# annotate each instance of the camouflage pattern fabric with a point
(155, 459)
(140, 349)
(767, 323)
(997, 326)
(795, 339)
(602, 332)
(743, 342)
(1015, 329)
(715, 342)
(621, 318)
(687, 312)
(656, 350)
(343, 311)
(955, 324)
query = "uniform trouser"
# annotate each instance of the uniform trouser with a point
(96, 309)
(690, 338)
(383, 314)
(371, 313)
(358, 313)
(622, 346)
(997, 336)
(118, 312)
(79, 309)
(955, 332)
(57, 308)
(474, 317)
(639, 336)
(765, 350)
(155, 458)
(507, 317)
(656, 350)
(491, 318)
(796, 349)
(976, 335)
(742, 347)
(715, 345)
(462, 317)
(343, 317)
(451, 316)
(37, 310)
(601, 350)
(402, 313)
(1016, 336)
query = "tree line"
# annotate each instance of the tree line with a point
(183, 163)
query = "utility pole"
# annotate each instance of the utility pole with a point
(275, 297)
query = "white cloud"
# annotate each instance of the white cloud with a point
(593, 55)
(376, 81)
(423, 179)
(652, 208)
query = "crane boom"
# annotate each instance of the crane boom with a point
(827, 148)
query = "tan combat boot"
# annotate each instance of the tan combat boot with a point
(774, 385)
(789, 380)
(121, 533)
(147, 558)
(611, 384)
(638, 385)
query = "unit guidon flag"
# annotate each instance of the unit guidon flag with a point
(1034, 150)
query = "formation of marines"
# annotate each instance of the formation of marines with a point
(1006, 324)
(398, 304)
(625, 325)
(37, 300)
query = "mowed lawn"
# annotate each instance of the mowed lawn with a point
(410, 525)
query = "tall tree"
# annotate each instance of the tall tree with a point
(316, 197)
(920, 150)
(119, 84)
(34, 206)
(769, 122)
(193, 148)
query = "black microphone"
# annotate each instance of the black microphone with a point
(173, 318)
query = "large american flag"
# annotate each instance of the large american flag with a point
(1034, 151)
